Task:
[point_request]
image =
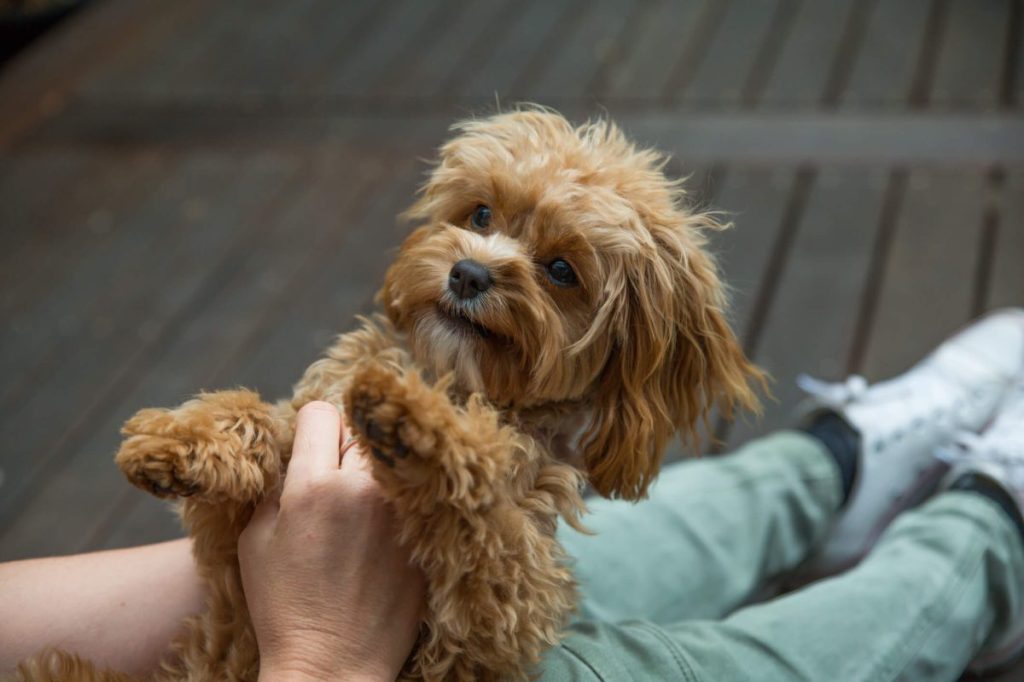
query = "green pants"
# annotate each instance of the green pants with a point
(664, 582)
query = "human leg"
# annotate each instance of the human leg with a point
(958, 387)
(943, 587)
(711, 532)
(991, 464)
(944, 582)
(714, 531)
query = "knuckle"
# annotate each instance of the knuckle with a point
(312, 491)
(364, 489)
(321, 484)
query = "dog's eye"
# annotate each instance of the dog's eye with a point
(481, 217)
(561, 273)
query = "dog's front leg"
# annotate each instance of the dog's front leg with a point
(221, 452)
(477, 503)
(218, 447)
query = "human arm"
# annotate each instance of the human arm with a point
(119, 608)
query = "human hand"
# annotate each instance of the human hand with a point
(331, 593)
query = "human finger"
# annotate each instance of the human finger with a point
(317, 442)
(353, 461)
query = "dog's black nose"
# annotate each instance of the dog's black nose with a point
(469, 278)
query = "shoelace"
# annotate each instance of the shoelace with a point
(968, 447)
(1002, 444)
(835, 394)
(928, 399)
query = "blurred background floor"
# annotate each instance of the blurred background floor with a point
(199, 194)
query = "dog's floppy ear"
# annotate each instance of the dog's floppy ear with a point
(673, 357)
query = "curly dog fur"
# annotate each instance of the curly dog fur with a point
(485, 410)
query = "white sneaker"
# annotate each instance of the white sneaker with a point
(997, 453)
(902, 421)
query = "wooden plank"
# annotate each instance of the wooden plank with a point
(144, 64)
(51, 324)
(141, 519)
(969, 72)
(854, 137)
(152, 295)
(850, 42)
(1006, 283)
(42, 321)
(1014, 77)
(810, 326)
(926, 288)
(354, 31)
(38, 84)
(294, 329)
(263, 49)
(703, 183)
(166, 66)
(301, 236)
(407, 25)
(811, 48)
(27, 189)
(886, 63)
(279, 358)
(76, 225)
(575, 61)
(449, 53)
(101, 283)
(848, 137)
(182, 78)
(331, 31)
(723, 72)
(276, 48)
(183, 70)
(754, 199)
(749, 266)
(513, 49)
(703, 187)
(665, 31)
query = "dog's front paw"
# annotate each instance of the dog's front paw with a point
(219, 446)
(154, 459)
(390, 413)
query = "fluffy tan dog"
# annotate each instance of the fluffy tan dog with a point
(554, 319)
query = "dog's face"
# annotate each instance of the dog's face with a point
(559, 264)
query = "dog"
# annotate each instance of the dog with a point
(553, 321)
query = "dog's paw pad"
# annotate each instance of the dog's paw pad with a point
(380, 410)
(385, 458)
(159, 471)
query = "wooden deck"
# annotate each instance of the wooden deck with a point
(199, 194)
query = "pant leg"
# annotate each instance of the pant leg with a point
(711, 532)
(943, 581)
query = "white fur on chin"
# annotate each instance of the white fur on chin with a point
(449, 350)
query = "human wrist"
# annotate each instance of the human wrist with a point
(308, 664)
(296, 673)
